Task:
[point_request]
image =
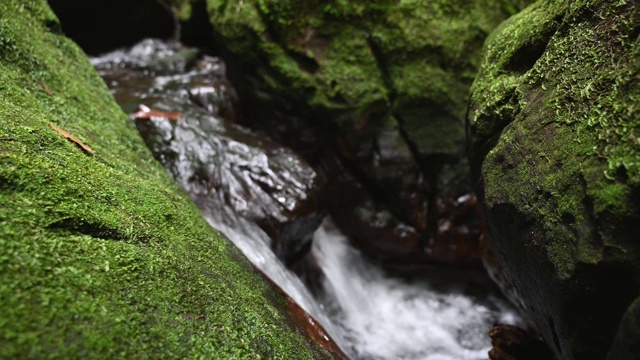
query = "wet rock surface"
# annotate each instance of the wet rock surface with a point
(405, 248)
(191, 132)
(554, 134)
(374, 94)
(301, 320)
(513, 343)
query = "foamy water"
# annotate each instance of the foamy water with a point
(383, 317)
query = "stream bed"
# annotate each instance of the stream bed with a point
(259, 195)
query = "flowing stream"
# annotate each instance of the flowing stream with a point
(369, 313)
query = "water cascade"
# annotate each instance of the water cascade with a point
(369, 313)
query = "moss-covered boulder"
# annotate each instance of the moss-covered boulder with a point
(101, 255)
(351, 62)
(554, 129)
(376, 90)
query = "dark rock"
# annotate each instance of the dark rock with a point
(214, 94)
(513, 343)
(213, 159)
(401, 246)
(626, 344)
(554, 131)
(220, 163)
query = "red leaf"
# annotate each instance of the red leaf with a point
(71, 137)
(46, 89)
(143, 112)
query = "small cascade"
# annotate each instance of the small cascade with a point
(369, 313)
(380, 316)
(253, 242)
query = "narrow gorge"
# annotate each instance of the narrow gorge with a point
(407, 179)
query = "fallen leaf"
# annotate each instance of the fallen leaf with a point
(46, 89)
(71, 137)
(143, 112)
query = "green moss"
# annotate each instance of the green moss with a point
(588, 98)
(185, 12)
(355, 61)
(554, 109)
(612, 196)
(102, 256)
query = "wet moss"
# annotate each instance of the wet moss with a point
(554, 124)
(368, 59)
(102, 255)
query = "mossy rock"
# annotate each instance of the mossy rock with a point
(373, 92)
(554, 128)
(101, 255)
(358, 64)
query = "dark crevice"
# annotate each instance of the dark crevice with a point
(429, 166)
(376, 51)
(101, 26)
(554, 333)
(587, 202)
(374, 188)
(635, 34)
(54, 27)
(529, 53)
(305, 63)
(83, 227)
(525, 57)
(597, 283)
(197, 30)
(621, 174)
(568, 218)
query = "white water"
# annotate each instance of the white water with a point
(254, 244)
(372, 315)
(383, 317)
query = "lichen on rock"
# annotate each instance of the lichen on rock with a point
(554, 127)
(101, 255)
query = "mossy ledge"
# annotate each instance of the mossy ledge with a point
(101, 255)
(554, 128)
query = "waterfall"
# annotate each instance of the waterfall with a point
(368, 312)
(380, 316)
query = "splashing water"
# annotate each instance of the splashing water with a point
(382, 317)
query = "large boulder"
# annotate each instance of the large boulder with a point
(554, 126)
(373, 93)
(101, 255)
